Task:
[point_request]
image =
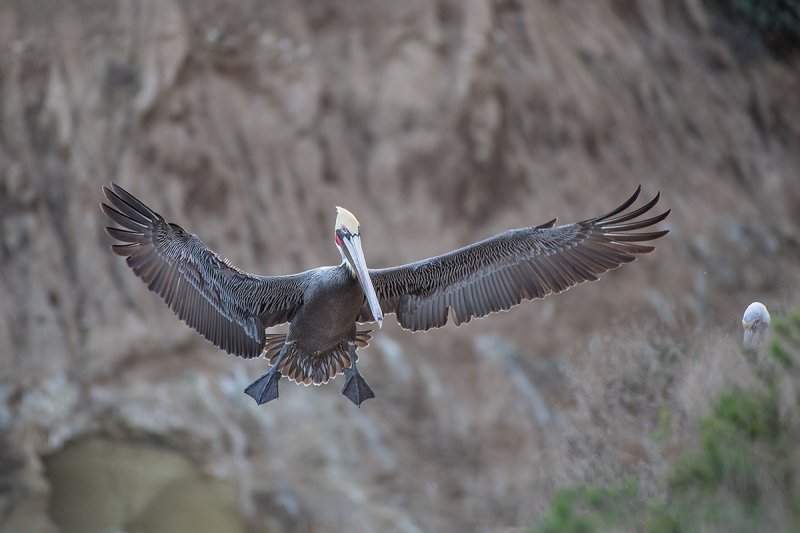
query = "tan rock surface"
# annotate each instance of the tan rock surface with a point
(437, 124)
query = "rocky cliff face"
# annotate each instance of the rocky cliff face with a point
(436, 123)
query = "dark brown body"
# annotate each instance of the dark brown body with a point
(322, 327)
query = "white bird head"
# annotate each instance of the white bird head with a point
(755, 323)
(346, 220)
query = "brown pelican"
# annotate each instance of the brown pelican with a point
(232, 308)
(755, 323)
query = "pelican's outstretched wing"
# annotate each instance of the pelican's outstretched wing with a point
(498, 273)
(228, 307)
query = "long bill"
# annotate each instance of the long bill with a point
(355, 255)
(749, 335)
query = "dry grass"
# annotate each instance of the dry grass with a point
(694, 438)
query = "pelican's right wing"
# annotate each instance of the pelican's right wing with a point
(229, 307)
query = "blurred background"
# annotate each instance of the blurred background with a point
(438, 123)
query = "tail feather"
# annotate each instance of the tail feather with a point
(306, 368)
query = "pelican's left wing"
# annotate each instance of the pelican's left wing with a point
(229, 307)
(501, 271)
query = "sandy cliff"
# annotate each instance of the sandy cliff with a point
(436, 123)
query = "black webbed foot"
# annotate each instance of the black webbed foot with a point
(265, 388)
(355, 387)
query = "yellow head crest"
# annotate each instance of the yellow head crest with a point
(345, 218)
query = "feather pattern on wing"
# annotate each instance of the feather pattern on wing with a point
(524, 264)
(229, 307)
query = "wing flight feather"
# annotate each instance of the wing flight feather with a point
(524, 264)
(229, 307)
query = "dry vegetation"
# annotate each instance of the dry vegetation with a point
(738, 468)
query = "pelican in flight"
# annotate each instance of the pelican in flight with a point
(232, 309)
(755, 323)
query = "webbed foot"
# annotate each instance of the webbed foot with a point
(265, 388)
(356, 387)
